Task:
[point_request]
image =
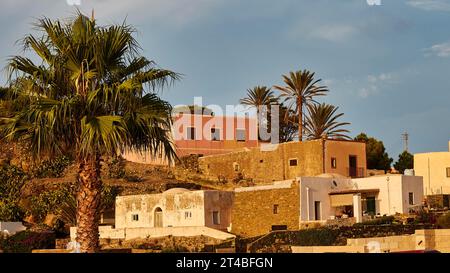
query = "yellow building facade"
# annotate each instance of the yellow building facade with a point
(435, 170)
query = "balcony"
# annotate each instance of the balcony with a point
(355, 172)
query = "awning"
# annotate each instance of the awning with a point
(340, 200)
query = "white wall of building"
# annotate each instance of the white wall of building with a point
(394, 191)
(180, 208)
(392, 196)
(314, 189)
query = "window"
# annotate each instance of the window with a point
(135, 217)
(191, 133)
(236, 167)
(275, 209)
(333, 163)
(448, 172)
(216, 218)
(411, 198)
(215, 134)
(279, 227)
(187, 214)
(293, 162)
(240, 134)
(261, 161)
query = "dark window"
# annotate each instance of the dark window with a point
(275, 209)
(261, 161)
(135, 217)
(411, 198)
(240, 134)
(216, 218)
(317, 212)
(215, 134)
(187, 214)
(236, 167)
(333, 163)
(448, 172)
(279, 227)
(293, 162)
(191, 133)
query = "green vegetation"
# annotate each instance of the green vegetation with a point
(91, 94)
(12, 179)
(321, 121)
(384, 220)
(52, 167)
(301, 88)
(405, 161)
(26, 241)
(377, 157)
(443, 221)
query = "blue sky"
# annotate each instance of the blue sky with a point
(387, 66)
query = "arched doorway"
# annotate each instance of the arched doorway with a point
(158, 217)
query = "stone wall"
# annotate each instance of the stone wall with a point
(253, 210)
(267, 164)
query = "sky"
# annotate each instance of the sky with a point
(386, 62)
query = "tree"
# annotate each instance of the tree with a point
(260, 96)
(321, 121)
(288, 124)
(405, 161)
(376, 155)
(300, 90)
(93, 95)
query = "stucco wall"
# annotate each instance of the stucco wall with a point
(253, 210)
(179, 209)
(319, 189)
(341, 150)
(394, 190)
(432, 167)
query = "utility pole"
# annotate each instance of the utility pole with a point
(405, 138)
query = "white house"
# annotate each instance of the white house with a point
(323, 198)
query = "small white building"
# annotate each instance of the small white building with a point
(11, 228)
(175, 208)
(175, 212)
(324, 198)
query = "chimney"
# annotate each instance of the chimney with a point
(449, 145)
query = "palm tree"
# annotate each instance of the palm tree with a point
(321, 121)
(301, 89)
(93, 95)
(259, 96)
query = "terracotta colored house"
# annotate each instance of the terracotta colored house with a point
(211, 135)
(205, 135)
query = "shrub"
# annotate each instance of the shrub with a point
(52, 168)
(25, 241)
(116, 168)
(10, 211)
(444, 220)
(49, 201)
(12, 180)
(62, 202)
(384, 220)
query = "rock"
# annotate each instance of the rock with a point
(50, 220)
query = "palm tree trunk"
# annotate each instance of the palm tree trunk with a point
(300, 120)
(88, 202)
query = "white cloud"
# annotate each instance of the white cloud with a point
(375, 83)
(334, 33)
(440, 50)
(430, 5)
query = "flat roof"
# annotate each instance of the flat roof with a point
(354, 191)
